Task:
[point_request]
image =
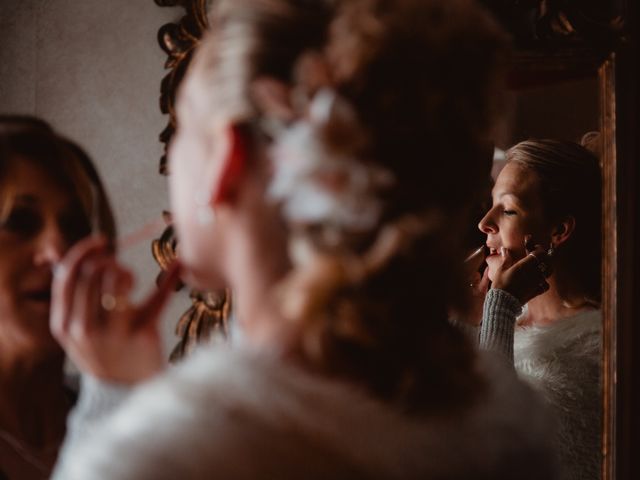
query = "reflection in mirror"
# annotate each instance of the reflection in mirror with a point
(561, 110)
(543, 233)
(40, 218)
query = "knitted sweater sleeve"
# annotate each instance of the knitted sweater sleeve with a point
(498, 322)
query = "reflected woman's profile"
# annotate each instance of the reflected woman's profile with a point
(48, 193)
(544, 251)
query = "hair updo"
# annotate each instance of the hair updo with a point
(422, 78)
(569, 182)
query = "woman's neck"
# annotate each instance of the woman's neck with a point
(34, 402)
(254, 269)
(550, 307)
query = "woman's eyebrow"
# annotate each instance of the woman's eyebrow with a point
(513, 198)
(499, 195)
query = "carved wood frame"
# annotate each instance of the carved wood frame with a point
(620, 106)
(614, 59)
(209, 312)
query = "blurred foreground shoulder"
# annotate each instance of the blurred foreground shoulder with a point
(236, 414)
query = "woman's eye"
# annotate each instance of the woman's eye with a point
(74, 227)
(509, 213)
(22, 221)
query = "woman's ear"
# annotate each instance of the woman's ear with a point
(233, 165)
(563, 230)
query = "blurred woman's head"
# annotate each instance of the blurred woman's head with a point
(550, 190)
(49, 196)
(363, 128)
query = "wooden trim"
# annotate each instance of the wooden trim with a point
(606, 74)
(627, 396)
(620, 102)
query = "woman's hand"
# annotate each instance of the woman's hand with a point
(91, 317)
(479, 287)
(525, 278)
(479, 284)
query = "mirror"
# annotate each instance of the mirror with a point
(582, 70)
(209, 313)
(561, 109)
(572, 73)
(557, 342)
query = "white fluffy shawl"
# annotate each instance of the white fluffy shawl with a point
(231, 414)
(563, 362)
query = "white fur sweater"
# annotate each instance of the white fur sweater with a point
(563, 361)
(233, 414)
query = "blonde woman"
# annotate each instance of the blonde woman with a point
(543, 235)
(312, 172)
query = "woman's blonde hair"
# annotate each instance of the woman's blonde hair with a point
(423, 78)
(29, 139)
(569, 183)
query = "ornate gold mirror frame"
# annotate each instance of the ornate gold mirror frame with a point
(555, 39)
(209, 312)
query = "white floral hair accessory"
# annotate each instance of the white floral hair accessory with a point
(320, 185)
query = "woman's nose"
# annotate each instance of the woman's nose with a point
(487, 225)
(51, 247)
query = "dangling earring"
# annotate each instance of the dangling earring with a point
(204, 213)
(551, 250)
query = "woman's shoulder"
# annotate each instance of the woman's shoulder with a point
(564, 360)
(577, 336)
(224, 405)
(222, 412)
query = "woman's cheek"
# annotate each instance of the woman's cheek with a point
(514, 240)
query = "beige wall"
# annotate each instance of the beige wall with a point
(93, 68)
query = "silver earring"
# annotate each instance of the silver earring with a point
(551, 250)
